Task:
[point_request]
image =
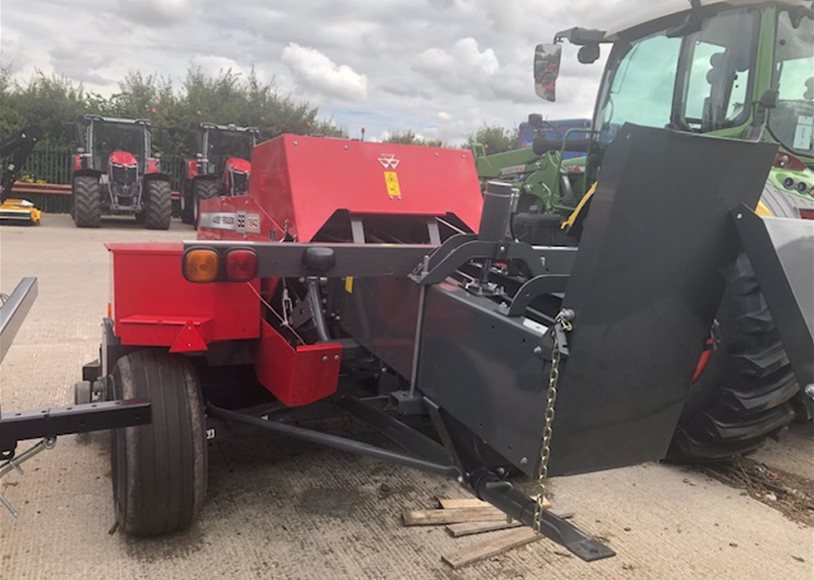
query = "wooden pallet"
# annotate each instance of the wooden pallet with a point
(468, 516)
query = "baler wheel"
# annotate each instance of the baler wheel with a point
(158, 205)
(202, 189)
(745, 394)
(159, 471)
(87, 202)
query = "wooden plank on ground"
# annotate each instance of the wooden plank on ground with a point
(469, 528)
(437, 517)
(493, 545)
(466, 502)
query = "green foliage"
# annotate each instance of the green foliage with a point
(410, 138)
(56, 102)
(493, 138)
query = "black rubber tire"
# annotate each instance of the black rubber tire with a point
(187, 213)
(745, 394)
(159, 471)
(87, 201)
(157, 204)
(203, 189)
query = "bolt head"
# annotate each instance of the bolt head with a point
(809, 391)
(524, 461)
(538, 350)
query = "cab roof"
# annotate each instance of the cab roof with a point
(673, 7)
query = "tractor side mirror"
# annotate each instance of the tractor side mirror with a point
(76, 134)
(768, 100)
(163, 139)
(547, 59)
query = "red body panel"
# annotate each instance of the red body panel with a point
(303, 180)
(192, 168)
(152, 166)
(297, 184)
(238, 164)
(122, 158)
(158, 309)
(236, 218)
(297, 376)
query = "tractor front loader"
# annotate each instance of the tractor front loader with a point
(220, 166)
(737, 69)
(14, 151)
(397, 290)
(115, 173)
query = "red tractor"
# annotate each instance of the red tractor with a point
(114, 173)
(220, 167)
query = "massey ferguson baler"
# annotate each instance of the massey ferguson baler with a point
(394, 289)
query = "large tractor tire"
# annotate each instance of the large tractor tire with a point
(157, 205)
(202, 189)
(87, 202)
(747, 393)
(187, 213)
(159, 471)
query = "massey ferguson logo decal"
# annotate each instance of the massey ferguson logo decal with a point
(388, 161)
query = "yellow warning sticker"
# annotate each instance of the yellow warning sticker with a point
(349, 284)
(391, 179)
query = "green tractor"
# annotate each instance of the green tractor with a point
(737, 69)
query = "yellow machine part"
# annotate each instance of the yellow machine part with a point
(575, 214)
(761, 209)
(21, 211)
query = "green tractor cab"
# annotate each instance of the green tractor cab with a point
(737, 69)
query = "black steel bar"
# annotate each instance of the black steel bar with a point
(287, 260)
(399, 433)
(501, 494)
(14, 310)
(334, 441)
(51, 422)
(545, 284)
(539, 260)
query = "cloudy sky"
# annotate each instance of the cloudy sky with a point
(439, 67)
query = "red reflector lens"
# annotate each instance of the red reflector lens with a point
(806, 214)
(241, 265)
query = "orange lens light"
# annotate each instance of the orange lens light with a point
(201, 265)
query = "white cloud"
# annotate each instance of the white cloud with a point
(157, 13)
(462, 65)
(386, 66)
(314, 70)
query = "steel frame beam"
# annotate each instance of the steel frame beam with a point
(14, 310)
(51, 422)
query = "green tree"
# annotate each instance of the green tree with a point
(409, 137)
(494, 138)
(54, 102)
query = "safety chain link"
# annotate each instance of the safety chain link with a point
(562, 324)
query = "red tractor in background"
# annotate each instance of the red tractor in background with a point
(221, 165)
(115, 173)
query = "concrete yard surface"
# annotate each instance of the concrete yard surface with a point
(283, 509)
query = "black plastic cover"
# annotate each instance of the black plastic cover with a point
(645, 288)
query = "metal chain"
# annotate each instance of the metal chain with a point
(563, 321)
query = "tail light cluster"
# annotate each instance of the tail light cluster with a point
(201, 265)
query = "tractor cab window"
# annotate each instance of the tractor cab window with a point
(641, 90)
(223, 144)
(792, 121)
(110, 137)
(718, 61)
